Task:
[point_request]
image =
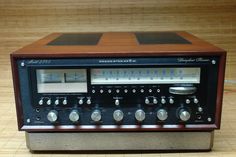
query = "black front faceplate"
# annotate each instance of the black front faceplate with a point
(130, 101)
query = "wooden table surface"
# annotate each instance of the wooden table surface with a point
(12, 142)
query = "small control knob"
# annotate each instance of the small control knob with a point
(171, 101)
(140, 115)
(89, 101)
(52, 116)
(56, 102)
(81, 101)
(74, 116)
(96, 116)
(155, 101)
(41, 102)
(184, 115)
(64, 102)
(187, 101)
(147, 101)
(118, 115)
(117, 102)
(163, 101)
(195, 100)
(200, 109)
(49, 101)
(162, 114)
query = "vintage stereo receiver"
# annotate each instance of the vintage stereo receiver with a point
(119, 91)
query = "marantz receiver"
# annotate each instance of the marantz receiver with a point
(119, 91)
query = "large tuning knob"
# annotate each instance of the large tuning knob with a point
(118, 115)
(96, 116)
(184, 115)
(162, 114)
(74, 116)
(52, 116)
(140, 115)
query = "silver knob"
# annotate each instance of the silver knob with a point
(155, 101)
(140, 115)
(200, 109)
(163, 101)
(184, 115)
(52, 116)
(49, 102)
(162, 114)
(118, 115)
(89, 101)
(187, 101)
(195, 100)
(64, 102)
(147, 101)
(81, 101)
(56, 102)
(74, 116)
(41, 102)
(117, 102)
(96, 115)
(171, 101)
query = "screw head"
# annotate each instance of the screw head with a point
(22, 64)
(213, 62)
(209, 119)
(28, 120)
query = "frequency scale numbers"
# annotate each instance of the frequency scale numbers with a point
(145, 75)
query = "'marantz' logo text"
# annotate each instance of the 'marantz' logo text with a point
(117, 61)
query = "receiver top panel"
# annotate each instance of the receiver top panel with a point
(116, 44)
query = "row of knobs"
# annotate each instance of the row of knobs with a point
(118, 115)
(64, 102)
(171, 101)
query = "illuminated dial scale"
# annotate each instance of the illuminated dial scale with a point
(75, 81)
(145, 75)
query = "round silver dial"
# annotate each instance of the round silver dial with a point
(118, 115)
(52, 116)
(140, 115)
(96, 115)
(74, 116)
(162, 114)
(184, 115)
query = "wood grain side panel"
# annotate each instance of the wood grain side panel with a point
(16, 86)
(220, 89)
